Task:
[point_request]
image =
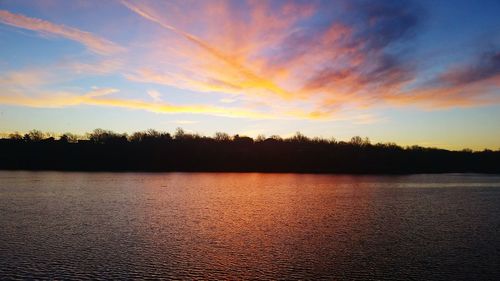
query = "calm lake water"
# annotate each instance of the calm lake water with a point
(247, 226)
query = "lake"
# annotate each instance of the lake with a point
(61, 225)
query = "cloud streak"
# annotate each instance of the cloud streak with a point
(34, 88)
(155, 95)
(278, 59)
(249, 78)
(100, 97)
(94, 43)
(486, 66)
(359, 60)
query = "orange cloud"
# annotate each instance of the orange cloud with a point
(479, 93)
(92, 42)
(328, 65)
(29, 88)
(220, 71)
(101, 97)
(262, 51)
(338, 65)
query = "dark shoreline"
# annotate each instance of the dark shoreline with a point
(241, 155)
(251, 172)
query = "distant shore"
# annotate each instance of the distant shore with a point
(154, 151)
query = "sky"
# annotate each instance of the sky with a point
(411, 72)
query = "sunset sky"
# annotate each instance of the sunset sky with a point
(420, 72)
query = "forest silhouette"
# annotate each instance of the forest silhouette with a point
(151, 150)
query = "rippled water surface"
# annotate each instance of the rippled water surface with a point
(247, 226)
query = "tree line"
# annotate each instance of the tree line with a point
(151, 150)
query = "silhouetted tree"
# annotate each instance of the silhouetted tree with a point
(34, 136)
(152, 150)
(15, 136)
(68, 138)
(299, 137)
(179, 134)
(275, 138)
(359, 141)
(242, 140)
(219, 136)
(260, 138)
(105, 136)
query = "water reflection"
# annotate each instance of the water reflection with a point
(244, 226)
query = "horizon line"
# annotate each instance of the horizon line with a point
(259, 137)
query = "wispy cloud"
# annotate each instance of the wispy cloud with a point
(100, 67)
(32, 79)
(474, 83)
(277, 59)
(367, 119)
(217, 70)
(484, 67)
(35, 88)
(155, 95)
(100, 97)
(359, 60)
(91, 41)
(23, 78)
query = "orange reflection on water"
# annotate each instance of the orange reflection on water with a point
(240, 223)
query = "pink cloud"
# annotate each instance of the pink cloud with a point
(92, 42)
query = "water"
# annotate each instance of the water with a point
(247, 226)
